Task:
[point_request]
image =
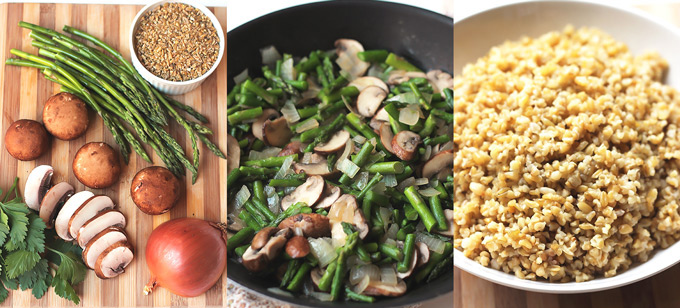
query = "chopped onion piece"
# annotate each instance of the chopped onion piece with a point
(392, 232)
(348, 167)
(278, 291)
(362, 285)
(372, 159)
(285, 168)
(407, 98)
(273, 201)
(287, 69)
(241, 197)
(386, 215)
(409, 115)
(388, 276)
(375, 71)
(379, 188)
(345, 153)
(270, 55)
(322, 251)
(324, 297)
(348, 105)
(289, 112)
(359, 139)
(307, 157)
(446, 146)
(406, 183)
(428, 153)
(307, 125)
(390, 180)
(421, 181)
(432, 242)
(391, 241)
(429, 192)
(298, 231)
(362, 180)
(266, 153)
(241, 77)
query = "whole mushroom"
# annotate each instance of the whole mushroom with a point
(155, 190)
(65, 116)
(26, 140)
(96, 165)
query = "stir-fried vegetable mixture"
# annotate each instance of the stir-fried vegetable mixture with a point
(340, 173)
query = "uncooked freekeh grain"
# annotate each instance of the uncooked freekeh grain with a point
(566, 153)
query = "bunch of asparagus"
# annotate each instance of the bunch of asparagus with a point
(110, 85)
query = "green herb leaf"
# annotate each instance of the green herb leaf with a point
(17, 214)
(70, 269)
(65, 290)
(35, 237)
(20, 261)
(38, 279)
(4, 293)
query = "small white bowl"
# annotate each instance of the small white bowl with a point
(166, 86)
(475, 35)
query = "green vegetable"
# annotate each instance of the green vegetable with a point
(422, 209)
(400, 63)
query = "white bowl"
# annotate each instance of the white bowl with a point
(166, 86)
(475, 35)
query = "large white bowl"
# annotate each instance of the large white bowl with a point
(475, 35)
(166, 86)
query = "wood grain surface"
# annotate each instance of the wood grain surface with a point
(660, 291)
(23, 92)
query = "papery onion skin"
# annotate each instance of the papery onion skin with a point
(186, 256)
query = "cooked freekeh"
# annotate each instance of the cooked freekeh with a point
(565, 157)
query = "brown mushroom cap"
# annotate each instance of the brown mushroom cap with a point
(96, 165)
(37, 185)
(98, 223)
(100, 242)
(330, 194)
(26, 140)
(293, 147)
(276, 132)
(405, 143)
(369, 100)
(86, 211)
(438, 163)
(315, 168)
(257, 260)
(113, 261)
(309, 192)
(258, 125)
(423, 253)
(297, 247)
(262, 237)
(65, 116)
(335, 143)
(233, 153)
(377, 288)
(312, 225)
(155, 190)
(53, 201)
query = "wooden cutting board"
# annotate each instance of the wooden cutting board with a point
(23, 92)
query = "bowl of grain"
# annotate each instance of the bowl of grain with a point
(566, 171)
(176, 45)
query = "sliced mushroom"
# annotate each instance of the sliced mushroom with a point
(382, 115)
(64, 216)
(345, 209)
(98, 223)
(414, 263)
(449, 223)
(100, 242)
(400, 76)
(53, 201)
(233, 153)
(386, 137)
(437, 163)
(423, 254)
(258, 125)
(316, 275)
(276, 132)
(312, 225)
(293, 147)
(37, 185)
(375, 123)
(405, 143)
(440, 80)
(308, 193)
(347, 60)
(315, 158)
(377, 288)
(369, 100)
(234, 225)
(330, 194)
(87, 210)
(335, 143)
(257, 260)
(319, 168)
(297, 247)
(262, 237)
(113, 261)
(362, 83)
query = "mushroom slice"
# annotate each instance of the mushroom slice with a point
(369, 100)
(437, 163)
(375, 124)
(276, 132)
(316, 275)
(293, 147)
(401, 76)
(330, 194)
(404, 144)
(335, 143)
(449, 223)
(347, 60)
(362, 83)
(312, 225)
(234, 225)
(345, 209)
(233, 153)
(386, 137)
(262, 237)
(414, 263)
(377, 288)
(382, 115)
(257, 260)
(308, 193)
(53, 201)
(423, 254)
(319, 168)
(113, 261)
(297, 247)
(71, 205)
(258, 125)
(99, 223)
(440, 80)
(37, 185)
(100, 242)
(87, 210)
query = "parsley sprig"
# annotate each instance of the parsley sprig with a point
(32, 256)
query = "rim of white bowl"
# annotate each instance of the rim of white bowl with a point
(660, 259)
(145, 72)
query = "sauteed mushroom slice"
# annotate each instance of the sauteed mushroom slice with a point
(345, 209)
(233, 153)
(319, 168)
(369, 100)
(308, 193)
(53, 201)
(449, 223)
(258, 125)
(405, 143)
(401, 76)
(423, 253)
(257, 260)
(386, 136)
(37, 185)
(377, 288)
(293, 147)
(335, 143)
(262, 237)
(297, 247)
(276, 132)
(362, 83)
(312, 225)
(441, 80)
(437, 163)
(347, 60)
(414, 263)
(331, 193)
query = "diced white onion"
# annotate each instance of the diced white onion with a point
(406, 183)
(348, 105)
(379, 188)
(289, 112)
(298, 231)
(287, 69)
(362, 180)
(266, 153)
(270, 55)
(285, 168)
(272, 199)
(433, 243)
(446, 146)
(359, 139)
(349, 168)
(375, 71)
(307, 157)
(374, 142)
(241, 77)
(241, 197)
(362, 285)
(407, 98)
(409, 115)
(429, 192)
(390, 180)
(392, 231)
(345, 153)
(307, 125)
(288, 190)
(386, 215)
(372, 159)
(278, 291)
(391, 242)
(428, 153)
(324, 297)
(388, 276)
(420, 226)
(421, 181)
(322, 251)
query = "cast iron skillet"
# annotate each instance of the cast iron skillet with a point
(423, 37)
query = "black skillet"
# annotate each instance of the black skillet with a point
(423, 37)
